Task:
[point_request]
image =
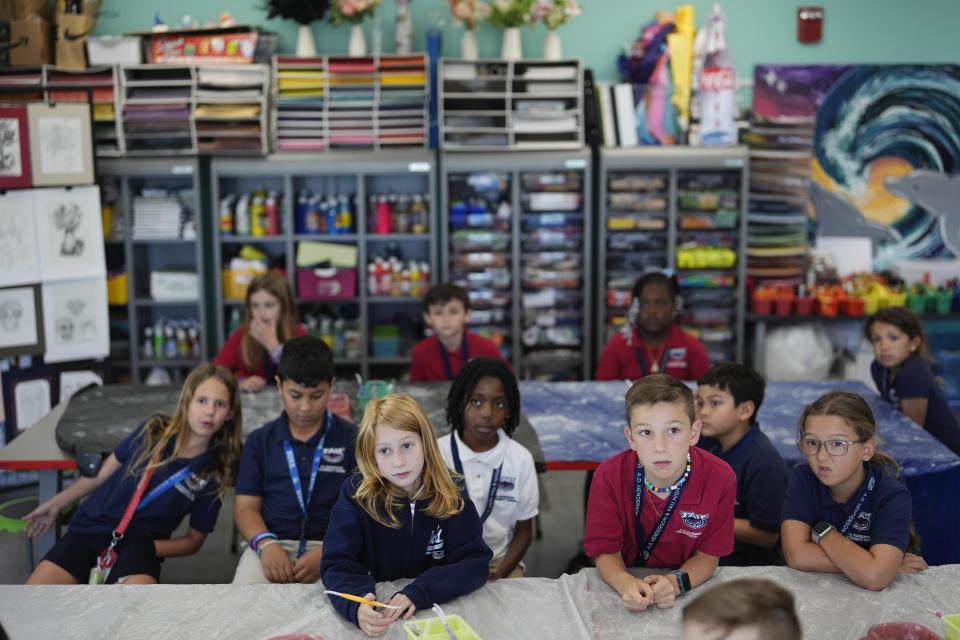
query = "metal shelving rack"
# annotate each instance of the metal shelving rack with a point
(503, 303)
(501, 105)
(654, 246)
(139, 257)
(360, 174)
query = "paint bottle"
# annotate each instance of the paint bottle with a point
(169, 342)
(314, 224)
(383, 216)
(330, 215)
(226, 215)
(235, 321)
(418, 215)
(241, 216)
(158, 340)
(344, 214)
(272, 213)
(196, 349)
(146, 350)
(257, 209)
(302, 213)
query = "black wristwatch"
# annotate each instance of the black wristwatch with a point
(683, 580)
(819, 530)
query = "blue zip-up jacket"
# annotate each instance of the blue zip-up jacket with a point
(447, 557)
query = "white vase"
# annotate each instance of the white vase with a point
(358, 41)
(305, 46)
(511, 49)
(552, 49)
(468, 45)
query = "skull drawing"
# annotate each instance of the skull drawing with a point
(10, 313)
(65, 329)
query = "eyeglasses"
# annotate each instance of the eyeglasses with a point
(811, 446)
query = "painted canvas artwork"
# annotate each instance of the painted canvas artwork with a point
(75, 319)
(70, 234)
(886, 151)
(19, 260)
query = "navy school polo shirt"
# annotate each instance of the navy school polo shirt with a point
(195, 495)
(264, 473)
(915, 380)
(884, 519)
(761, 485)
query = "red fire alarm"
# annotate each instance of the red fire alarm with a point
(809, 24)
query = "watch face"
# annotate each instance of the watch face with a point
(685, 578)
(821, 528)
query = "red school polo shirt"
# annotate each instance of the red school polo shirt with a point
(427, 364)
(686, 359)
(702, 521)
(231, 355)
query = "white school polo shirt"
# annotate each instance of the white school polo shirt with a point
(518, 497)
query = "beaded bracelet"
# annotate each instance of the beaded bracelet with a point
(266, 543)
(255, 541)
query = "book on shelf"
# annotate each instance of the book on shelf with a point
(626, 116)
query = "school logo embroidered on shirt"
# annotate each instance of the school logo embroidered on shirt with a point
(862, 523)
(333, 455)
(435, 546)
(694, 520)
(191, 486)
(507, 484)
(677, 353)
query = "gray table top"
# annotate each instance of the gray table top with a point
(577, 606)
(100, 417)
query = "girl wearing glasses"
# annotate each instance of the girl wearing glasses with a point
(845, 512)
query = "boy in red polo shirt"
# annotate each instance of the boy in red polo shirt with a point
(662, 503)
(446, 309)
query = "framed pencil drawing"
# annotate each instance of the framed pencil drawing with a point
(61, 150)
(76, 323)
(14, 148)
(69, 233)
(19, 258)
(21, 321)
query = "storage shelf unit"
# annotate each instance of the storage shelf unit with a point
(123, 186)
(681, 208)
(516, 235)
(361, 176)
(184, 110)
(495, 105)
(337, 102)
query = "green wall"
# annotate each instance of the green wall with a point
(758, 31)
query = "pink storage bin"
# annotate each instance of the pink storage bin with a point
(327, 284)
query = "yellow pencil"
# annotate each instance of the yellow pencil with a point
(350, 596)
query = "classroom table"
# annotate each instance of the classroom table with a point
(36, 450)
(573, 607)
(580, 424)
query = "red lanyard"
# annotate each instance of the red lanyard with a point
(109, 556)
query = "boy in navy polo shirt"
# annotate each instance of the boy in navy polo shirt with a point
(291, 472)
(662, 503)
(446, 308)
(729, 396)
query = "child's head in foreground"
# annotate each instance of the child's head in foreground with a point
(744, 609)
(661, 426)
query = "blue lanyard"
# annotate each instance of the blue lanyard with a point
(295, 478)
(642, 359)
(494, 481)
(163, 487)
(868, 487)
(644, 549)
(464, 350)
